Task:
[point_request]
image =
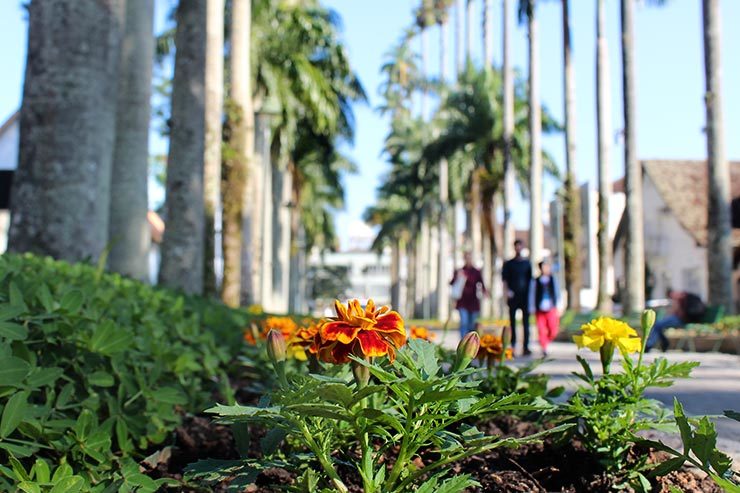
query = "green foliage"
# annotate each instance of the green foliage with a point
(411, 407)
(699, 439)
(96, 368)
(503, 380)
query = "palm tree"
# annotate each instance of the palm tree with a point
(241, 149)
(634, 258)
(487, 32)
(214, 117)
(183, 245)
(508, 130)
(61, 189)
(572, 215)
(603, 110)
(128, 228)
(527, 10)
(719, 224)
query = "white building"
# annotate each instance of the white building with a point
(675, 204)
(9, 135)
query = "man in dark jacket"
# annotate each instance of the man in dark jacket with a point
(517, 277)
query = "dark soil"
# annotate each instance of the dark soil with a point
(541, 467)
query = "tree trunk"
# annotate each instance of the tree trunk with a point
(535, 149)
(241, 118)
(128, 228)
(475, 217)
(487, 33)
(634, 299)
(411, 259)
(183, 246)
(603, 113)
(572, 216)
(61, 191)
(508, 124)
(424, 54)
(396, 247)
(469, 31)
(443, 267)
(214, 116)
(719, 224)
(459, 33)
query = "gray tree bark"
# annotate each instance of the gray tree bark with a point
(719, 223)
(572, 229)
(183, 245)
(603, 117)
(634, 296)
(487, 33)
(61, 192)
(535, 144)
(508, 124)
(443, 271)
(128, 231)
(214, 124)
(241, 142)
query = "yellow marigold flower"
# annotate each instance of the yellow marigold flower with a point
(608, 331)
(285, 325)
(421, 333)
(366, 333)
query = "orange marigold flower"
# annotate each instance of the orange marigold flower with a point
(492, 347)
(366, 333)
(285, 325)
(421, 333)
(304, 339)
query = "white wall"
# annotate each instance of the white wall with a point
(673, 256)
(9, 146)
(369, 273)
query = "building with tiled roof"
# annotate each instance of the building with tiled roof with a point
(675, 194)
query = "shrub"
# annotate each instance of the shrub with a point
(96, 368)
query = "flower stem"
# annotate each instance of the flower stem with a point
(323, 459)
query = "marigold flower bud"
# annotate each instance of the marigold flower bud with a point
(648, 320)
(276, 348)
(467, 350)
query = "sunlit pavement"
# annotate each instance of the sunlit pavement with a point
(713, 388)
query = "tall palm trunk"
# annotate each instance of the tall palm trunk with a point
(396, 254)
(469, 30)
(443, 274)
(182, 249)
(719, 224)
(634, 296)
(572, 216)
(214, 114)
(241, 119)
(128, 228)
(61, 190)
(459, 36)
(603, 112)
(508, 124)
(487, 33)
(535, 132)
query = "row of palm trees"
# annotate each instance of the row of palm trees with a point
(261, 98)
(486, 133)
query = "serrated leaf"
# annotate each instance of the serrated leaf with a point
(704, 440)
(12, 371)
(683, 425)
(338, 393)
(668, 466)
(13, 331)
(14, 412)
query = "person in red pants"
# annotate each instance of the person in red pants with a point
(543, 296)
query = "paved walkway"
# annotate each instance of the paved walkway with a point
(713, 388)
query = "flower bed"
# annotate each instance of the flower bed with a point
(359, 402)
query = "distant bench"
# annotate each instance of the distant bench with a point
(703, 338)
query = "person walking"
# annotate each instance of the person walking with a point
(517, 277)
(543, 301)
(466, 283)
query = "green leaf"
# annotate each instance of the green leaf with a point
(337, 392)
(63, 471)
(733, 415)
(12, 371)
(14, 412)
(18, 450)
(43, 376)
(45, 297)
(720, 462)
(85, 424)
(704, 441)
(13, 331)
(18, 469)
(40, 471)
(101, 379)
(70, 484)
(72, 301)
(683, 425)
(272, 440)
(110, 339)
(170, 395)
(668, 466)
(10, 311)
(29, 487)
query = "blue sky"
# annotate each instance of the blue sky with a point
(670, 114)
